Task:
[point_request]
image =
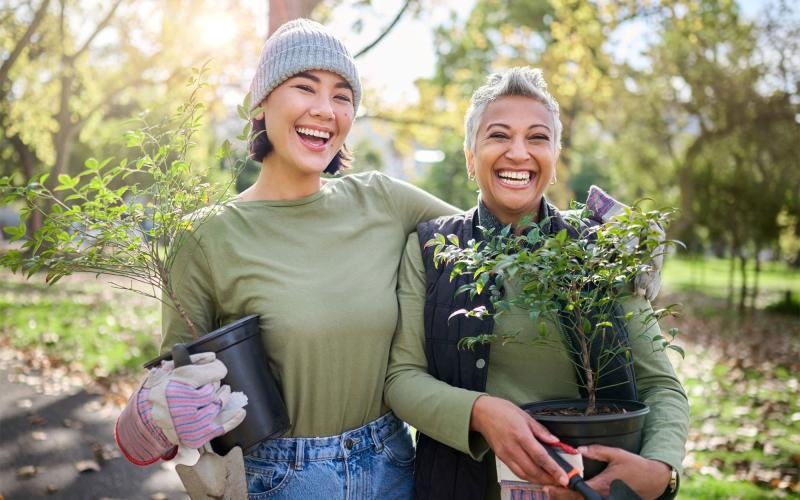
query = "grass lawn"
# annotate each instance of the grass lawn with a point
(711, 276)
(741, 376)
(81, 321)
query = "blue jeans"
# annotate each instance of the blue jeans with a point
(372, 461)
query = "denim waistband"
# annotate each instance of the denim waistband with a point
(298, 450)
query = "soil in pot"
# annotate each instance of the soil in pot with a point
(621, 429)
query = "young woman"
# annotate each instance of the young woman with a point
(317, 259)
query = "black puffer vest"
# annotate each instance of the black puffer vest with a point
(442, 472)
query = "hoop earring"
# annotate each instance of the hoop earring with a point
(471, 176)
(553, 180)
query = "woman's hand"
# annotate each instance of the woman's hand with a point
(648, 478)
(604, 207)
(514, 437)
(176, 406)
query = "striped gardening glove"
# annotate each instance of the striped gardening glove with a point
(603, 208)
(183, 406)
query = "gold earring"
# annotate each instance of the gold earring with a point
(554, 180)
(471, 176)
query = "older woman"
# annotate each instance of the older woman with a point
(462, 402)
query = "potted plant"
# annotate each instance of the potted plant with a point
(578, 280)
(126, 220)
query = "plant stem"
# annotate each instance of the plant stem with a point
(586, 364)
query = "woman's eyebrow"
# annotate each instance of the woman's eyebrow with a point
(508, 127)
(310, 76)
(497, 124)
(343, 84)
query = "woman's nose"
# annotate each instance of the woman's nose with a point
(517, 151)
(322, 109)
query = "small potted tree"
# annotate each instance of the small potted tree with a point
(126, 220)
(579, 282)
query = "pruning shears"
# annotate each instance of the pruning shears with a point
(619, 489)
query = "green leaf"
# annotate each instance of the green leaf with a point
(224, 150)
(677, 349)
(17, 232)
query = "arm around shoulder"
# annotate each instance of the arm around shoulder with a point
(415, 205)
(432, 406)
(667, 426)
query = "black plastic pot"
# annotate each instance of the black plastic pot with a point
(621, 430)
(238, 345)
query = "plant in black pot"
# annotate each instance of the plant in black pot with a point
(127, 220)
(579, 279)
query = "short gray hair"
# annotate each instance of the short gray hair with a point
(518, 81)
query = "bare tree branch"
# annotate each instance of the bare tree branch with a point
(100, 27)
(385, 31)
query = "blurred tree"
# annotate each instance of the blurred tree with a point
(712, 115)
(75, 69)
(704, 117)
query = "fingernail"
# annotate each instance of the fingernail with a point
(582, 449)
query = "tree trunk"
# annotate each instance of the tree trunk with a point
(754, 291)
(28, 160)
(281, 11)
(743, 272)
(683, 225)
(731, 272)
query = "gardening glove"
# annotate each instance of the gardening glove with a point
(604, 208)
(178, 406)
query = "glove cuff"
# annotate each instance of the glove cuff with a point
(137, 437)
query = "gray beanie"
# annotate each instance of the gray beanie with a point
(301, 45)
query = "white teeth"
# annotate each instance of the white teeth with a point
(314, 133)
(517, 178)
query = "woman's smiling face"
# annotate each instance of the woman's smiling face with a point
(514, 156)
(308, 118)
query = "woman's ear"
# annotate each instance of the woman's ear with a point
(260, 114)
(470, 163)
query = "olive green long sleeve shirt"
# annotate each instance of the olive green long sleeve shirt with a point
(522, 373)
(321, 271)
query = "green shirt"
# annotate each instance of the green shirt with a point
(321, 271)
(521, 373)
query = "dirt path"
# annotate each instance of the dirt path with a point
(57, 441)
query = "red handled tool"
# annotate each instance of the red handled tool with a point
(619, 490)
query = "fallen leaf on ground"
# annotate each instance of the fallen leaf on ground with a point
(87, 466)
(37, 420)
(51, 488)
(72, 424)
(27, 471)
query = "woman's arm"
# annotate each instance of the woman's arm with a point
(468, 421)
(667, 426)
(193, 283)
(413, 204)
(432, 406)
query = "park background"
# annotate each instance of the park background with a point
(692, 103)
